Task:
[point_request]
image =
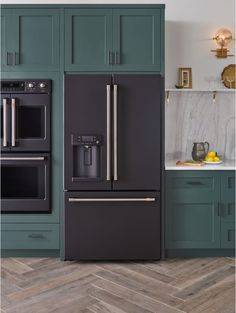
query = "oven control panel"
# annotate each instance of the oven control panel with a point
(26, 86)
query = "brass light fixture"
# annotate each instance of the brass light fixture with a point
(223, 38)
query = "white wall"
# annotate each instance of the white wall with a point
(190, 25)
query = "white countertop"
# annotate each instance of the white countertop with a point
(227, 165)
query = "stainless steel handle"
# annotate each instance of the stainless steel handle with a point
(110, 57)
(117, 58)
(36, 236)
(108, 132)
(4, 103)
(17, 61)
(22, 158)
(218, 209)
(13, 122)
(8, 58)
(115, 148)
(112, 199)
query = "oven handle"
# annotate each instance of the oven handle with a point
(4, 103)
(112, 199)
(13, 122)
(22, 158)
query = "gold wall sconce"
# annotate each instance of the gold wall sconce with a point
(223, 38)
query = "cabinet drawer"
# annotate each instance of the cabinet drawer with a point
(193, 182)
(30, 236)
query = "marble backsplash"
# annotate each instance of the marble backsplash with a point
(192, 116)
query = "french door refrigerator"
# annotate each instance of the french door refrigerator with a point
(112, 166)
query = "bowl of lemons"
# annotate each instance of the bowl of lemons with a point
(212, 158)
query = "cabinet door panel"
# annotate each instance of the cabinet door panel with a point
(137, 39)
(192, 213)
(36, 40)
(88, 39)
(227, 209)
(7, 40)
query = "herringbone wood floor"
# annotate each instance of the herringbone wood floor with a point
(33, 285)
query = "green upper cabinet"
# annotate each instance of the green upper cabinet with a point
(30, 40)
(6, 38)
(192, 211)
(228, 209)
(137, 39)
(126, 39)
(88, 39)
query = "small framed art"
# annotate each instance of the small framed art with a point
(185, 77)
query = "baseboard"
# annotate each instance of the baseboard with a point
(195, 253)
(30, 253)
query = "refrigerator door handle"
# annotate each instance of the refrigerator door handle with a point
(112, 199)
(108, 132)
(4, 103)
(115, 134)
(13, 122)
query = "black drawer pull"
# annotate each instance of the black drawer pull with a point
(36, 236)
(193, 183)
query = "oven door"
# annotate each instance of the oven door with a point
(30, 122)
(25, 183)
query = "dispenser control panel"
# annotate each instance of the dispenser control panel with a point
(91, 140)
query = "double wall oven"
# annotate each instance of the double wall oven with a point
(25, 145)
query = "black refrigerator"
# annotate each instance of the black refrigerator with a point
(112, 166)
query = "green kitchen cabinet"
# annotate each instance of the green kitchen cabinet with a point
(6, 38)
(88, 39)
(192, 214)
(30, 236)
(114, 39)
(227, 205)
(200, 209)
(30, 40)
(138, 39)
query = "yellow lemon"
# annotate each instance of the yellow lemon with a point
(209, 159)
(216, 159)
(211, 154)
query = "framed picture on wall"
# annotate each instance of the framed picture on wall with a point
(185, 77)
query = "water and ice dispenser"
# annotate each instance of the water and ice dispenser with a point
(86, 157)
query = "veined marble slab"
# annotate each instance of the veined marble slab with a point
(194, 117)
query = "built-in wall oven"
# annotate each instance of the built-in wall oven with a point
(25, 146)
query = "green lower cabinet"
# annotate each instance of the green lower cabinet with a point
(200, 208)
(30, 236)
(227, 205)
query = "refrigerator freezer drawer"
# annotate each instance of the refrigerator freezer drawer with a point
(112, 226)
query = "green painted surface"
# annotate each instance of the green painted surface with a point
(198, 253)
(6, 38)
(200, 210)
(30, 253)
(134, 37)
(137, 39)
(228, 209)
(88, 39)
(33, 40)
(192, 219)
(30, 236)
